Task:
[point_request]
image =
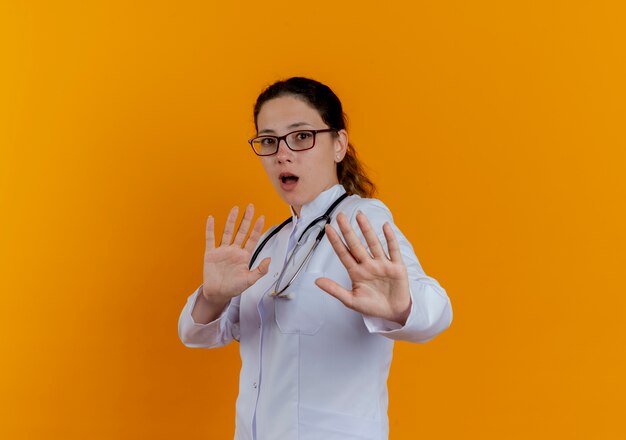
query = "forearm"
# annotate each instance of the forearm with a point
(206, 311)
(430, 314)
(431, 311)
(210, 325)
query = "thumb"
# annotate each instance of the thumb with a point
(262, 268)
(335, 289)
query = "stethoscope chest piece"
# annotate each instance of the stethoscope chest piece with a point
(283, 295)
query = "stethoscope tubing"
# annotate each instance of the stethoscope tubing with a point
(326, 217)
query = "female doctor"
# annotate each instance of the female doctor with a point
(317, 302)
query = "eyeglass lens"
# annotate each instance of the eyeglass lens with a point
(298, 140)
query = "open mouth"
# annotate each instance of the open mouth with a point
(288, 178)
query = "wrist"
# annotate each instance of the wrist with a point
(404, 310)
(213, 300)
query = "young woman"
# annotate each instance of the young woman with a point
(317, 307)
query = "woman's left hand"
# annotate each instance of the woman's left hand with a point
(380, 284)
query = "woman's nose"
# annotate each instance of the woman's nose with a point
(284, 154)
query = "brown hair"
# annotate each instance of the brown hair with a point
(350, 171)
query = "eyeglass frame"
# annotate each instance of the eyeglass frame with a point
(284, 138)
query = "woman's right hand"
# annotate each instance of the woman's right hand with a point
(226, 272)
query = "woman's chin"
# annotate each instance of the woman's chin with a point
(294, 200)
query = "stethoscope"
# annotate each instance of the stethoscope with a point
(326, 218)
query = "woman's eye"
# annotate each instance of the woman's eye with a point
(267, 142)
(304, 135)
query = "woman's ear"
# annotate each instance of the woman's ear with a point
(341, 145)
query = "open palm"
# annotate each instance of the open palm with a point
(226, 272)
(380, 285)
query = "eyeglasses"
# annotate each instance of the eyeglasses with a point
(298, 140)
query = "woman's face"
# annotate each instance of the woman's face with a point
(310, 171)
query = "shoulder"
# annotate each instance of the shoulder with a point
(274, 229)
(372, 208)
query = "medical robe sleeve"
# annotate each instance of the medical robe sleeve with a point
(217, 333)
(431, 312)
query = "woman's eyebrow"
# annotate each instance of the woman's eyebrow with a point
(289, 127)
(299, 124)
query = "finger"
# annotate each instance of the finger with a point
(255, 234)
(210, 233)
(261, 269)
(331, 287)
(230, 226)
(244, 226)
(375, 247)
(355, 246)
(340, 249)
(392, 243)
(264, 265)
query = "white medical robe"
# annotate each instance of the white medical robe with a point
(313, 369)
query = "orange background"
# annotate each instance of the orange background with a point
(495, 131)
